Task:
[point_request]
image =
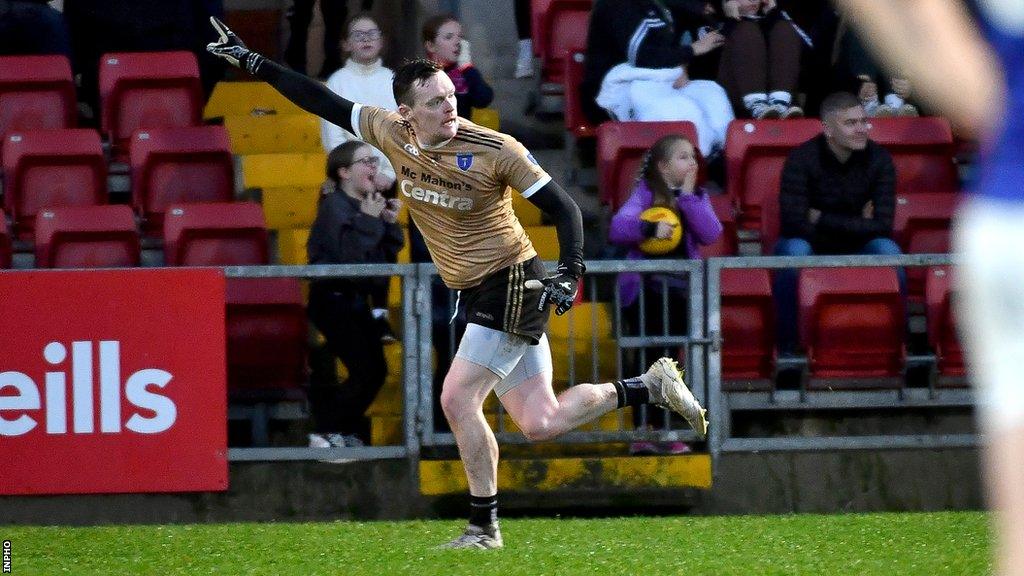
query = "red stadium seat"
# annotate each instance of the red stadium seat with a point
(621, 146)
(266, 339)
(215, 234)
(5, 242)
(852, 326)
(727, 244)
(576, 122)
(51, 168)
(942, 333)
(769, 223)
(177, 166)
(36, 93)
(922, 150)
(144, 90)
(563, 28)
(748, 330)
(87, 237)
(921, 226)
(755, 152)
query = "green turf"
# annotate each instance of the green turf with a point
(854, 544)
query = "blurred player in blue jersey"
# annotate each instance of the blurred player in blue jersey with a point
(968, 61)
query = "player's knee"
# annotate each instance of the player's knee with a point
(538, 430)
(455, 404)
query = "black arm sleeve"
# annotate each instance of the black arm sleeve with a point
(554, 201)
(308, 94)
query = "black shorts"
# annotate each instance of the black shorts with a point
(502, 302)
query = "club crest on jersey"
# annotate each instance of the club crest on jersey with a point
(464, 160)
(411, 149)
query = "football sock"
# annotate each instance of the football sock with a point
(483, 510)
(631, 392)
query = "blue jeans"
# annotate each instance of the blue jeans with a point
(784, 284)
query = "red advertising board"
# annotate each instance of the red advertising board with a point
(112, 381)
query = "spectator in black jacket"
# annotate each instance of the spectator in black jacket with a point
(354, 224)
(837, 197)
(32, 27)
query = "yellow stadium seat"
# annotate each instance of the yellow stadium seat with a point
(247, 98)
(281, 170)
(584, 319)
(405, 254)
(582, 361)
(528, 214)
(290, 207)
(274, 133)
(545, 241)
(486, 117)
(291, 246)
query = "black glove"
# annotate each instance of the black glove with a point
(559, 289)
(232, 49)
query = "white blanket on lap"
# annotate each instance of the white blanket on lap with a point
(614, 95)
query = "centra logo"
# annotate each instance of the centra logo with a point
(438, 198)
(158, 412)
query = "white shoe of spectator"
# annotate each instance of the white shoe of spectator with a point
(333, 440)
(762, 110)
(524, 61)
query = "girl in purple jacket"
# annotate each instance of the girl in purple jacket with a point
(668, 178)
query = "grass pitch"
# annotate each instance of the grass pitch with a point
(860, 544)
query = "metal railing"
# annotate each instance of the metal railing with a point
(721, 404)
(601, 279)
(701, 345)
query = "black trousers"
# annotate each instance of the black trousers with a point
(345, 320)
(335, 13)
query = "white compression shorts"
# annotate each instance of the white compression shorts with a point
(989, 238)
(509, 356)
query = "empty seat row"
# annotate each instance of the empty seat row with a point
(54, 168)
(138, 91)
(852, 326)
(266, 319)
(202, 234)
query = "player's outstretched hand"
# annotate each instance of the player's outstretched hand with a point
(231, 48)
(559, 290)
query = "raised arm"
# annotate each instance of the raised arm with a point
(308, 94)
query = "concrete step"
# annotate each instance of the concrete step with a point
(440, 477)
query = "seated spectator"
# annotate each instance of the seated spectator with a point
(444, 43)
(837, 197)
(636, 69)
(300, 14)
(760, 64)
(355, 224)
(362, 79)
(855, 70)
(667, 179)
(32, 27)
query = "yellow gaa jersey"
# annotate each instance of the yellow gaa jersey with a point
(458, 192)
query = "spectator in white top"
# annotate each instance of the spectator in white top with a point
(362, 79)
